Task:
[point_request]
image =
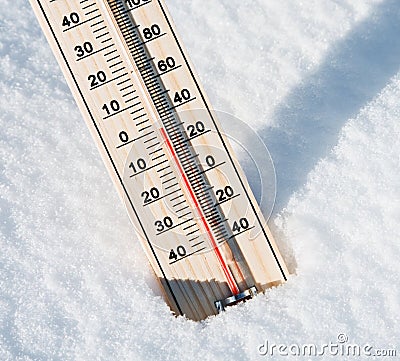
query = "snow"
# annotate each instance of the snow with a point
(319, 80)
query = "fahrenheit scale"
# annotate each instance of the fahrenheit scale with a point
(187, 196)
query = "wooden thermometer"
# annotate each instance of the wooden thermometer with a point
(187, 196)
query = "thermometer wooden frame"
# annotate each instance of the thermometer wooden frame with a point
(188, 198)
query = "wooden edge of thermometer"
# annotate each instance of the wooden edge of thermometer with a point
(184, 190)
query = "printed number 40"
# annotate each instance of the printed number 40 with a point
(179, 252)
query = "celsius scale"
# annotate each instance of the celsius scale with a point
(185, 192)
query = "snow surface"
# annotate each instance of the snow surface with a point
(320, 81)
